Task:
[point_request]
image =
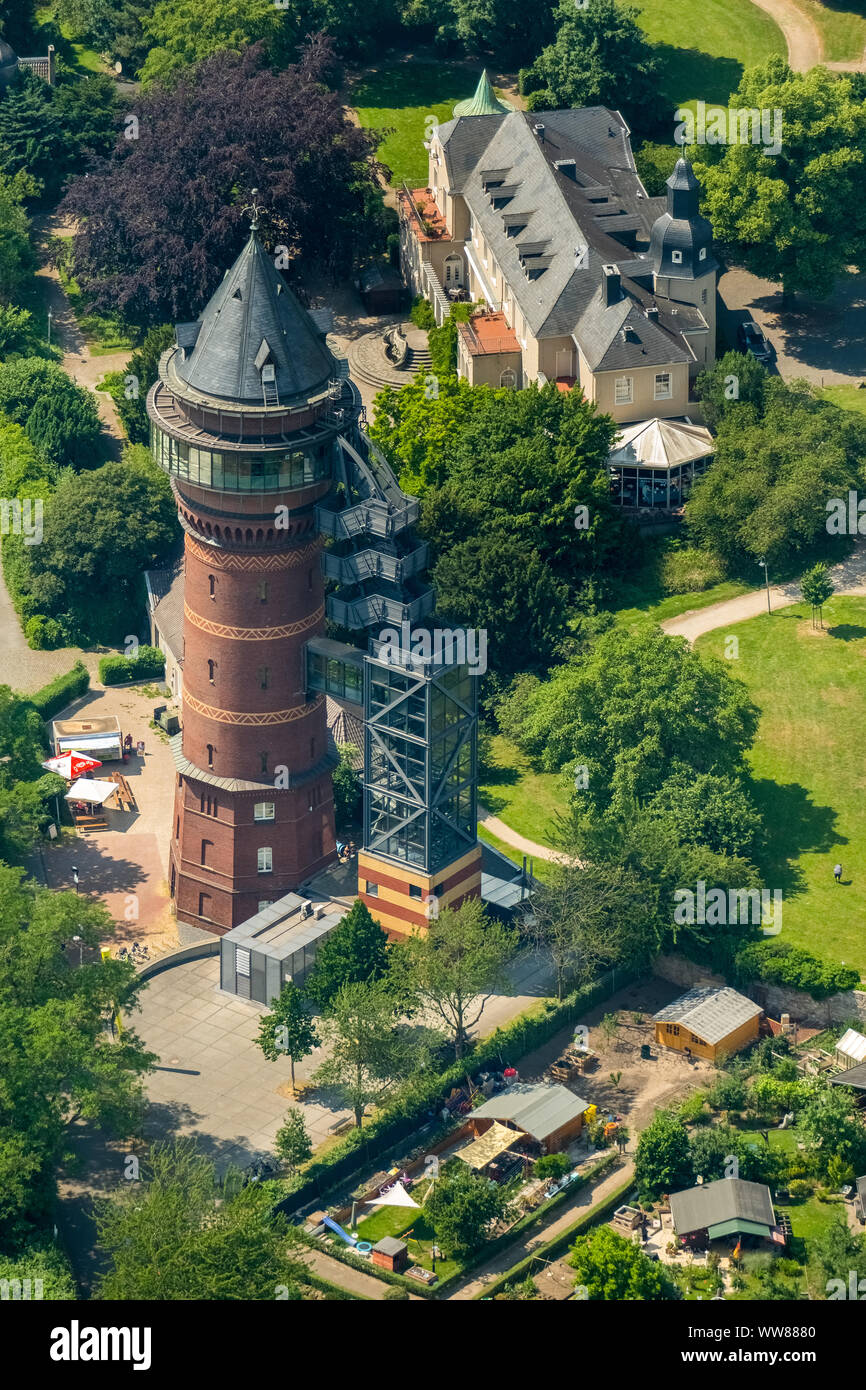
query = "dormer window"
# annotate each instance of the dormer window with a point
(677, 257)
(702, 254)
(237, 294)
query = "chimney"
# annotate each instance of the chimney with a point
(652, 313)
(611, 285)
(539, 130)
(568, 167)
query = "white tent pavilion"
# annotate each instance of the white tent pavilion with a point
(654, 462)
(92, 790)
(396, 1196)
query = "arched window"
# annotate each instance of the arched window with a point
(211, 582)
(264, 676)
(211, 667)
(210, 755)
(263, 591)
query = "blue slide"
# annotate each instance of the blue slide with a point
(338, 1230)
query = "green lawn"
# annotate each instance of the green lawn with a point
(82, 59)
(811, 689)
(846, 397)
(527, 801)
(650, 611)
(400, 98)
(842, 29)
(396, 1221)
(706, 47)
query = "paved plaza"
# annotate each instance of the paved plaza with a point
(212, 1080)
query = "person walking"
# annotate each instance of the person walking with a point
(837, 873)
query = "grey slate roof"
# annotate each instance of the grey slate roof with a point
(165, 596)
(537, 1110)
(854, 1076)
(580, 195)
(254, 318)
(711, 1203)
(712, 1012)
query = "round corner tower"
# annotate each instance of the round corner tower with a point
(245, 417)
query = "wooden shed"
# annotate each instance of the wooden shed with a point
(390, 1253)
(550, 1116)
(708, 1021)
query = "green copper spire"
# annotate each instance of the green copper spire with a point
(484, 103)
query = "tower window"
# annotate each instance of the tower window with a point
(310, 579)
(312, 748)
(265, 860)
(212, 585)
(264, 758)
(702, 254)
(210, 755)
(677, 257)
(205, 846)
(263, 810)
(264, 675)
(263, 591)
(210, 670)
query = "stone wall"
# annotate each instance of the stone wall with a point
(774, 999)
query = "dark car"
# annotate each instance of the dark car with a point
(751, 339)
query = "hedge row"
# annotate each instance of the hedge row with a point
(779, 963)
(421, 1101)
(553, 1248)
(114, 670)
(60, 692)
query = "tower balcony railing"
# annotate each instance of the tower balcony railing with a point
(374, 564)
(378, 608)
(371, 518)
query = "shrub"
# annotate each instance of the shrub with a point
(114, 670)
(692, 1111)
(690, 570)
(60, 692)
(801, 1187)
(43, 634)
(779, 963)
(552, 1166)
(422, 314)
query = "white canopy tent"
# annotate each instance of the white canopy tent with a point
(396, 1196)
(92, 790)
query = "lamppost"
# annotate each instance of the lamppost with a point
(80, 947)
(50, 317)
(75, 876)
(763, 565)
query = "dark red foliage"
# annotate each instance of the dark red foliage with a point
(161, 219)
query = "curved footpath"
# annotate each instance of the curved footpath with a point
(805, 45)
(849, 577)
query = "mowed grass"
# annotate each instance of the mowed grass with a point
(809, 765)
(400, 98)
(846, 397)
(525, 800)
(842, 27)
(705, 47)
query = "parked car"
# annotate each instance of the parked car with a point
(750, 339)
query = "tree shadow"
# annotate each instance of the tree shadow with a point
(846, 632)
(688, 74)
(795, 826)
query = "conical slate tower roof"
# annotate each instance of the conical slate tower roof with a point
(484, 103)
(254, 321)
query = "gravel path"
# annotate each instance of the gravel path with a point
(849, 577)
(805, 49)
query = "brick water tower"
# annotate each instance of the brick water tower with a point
(246, 418)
